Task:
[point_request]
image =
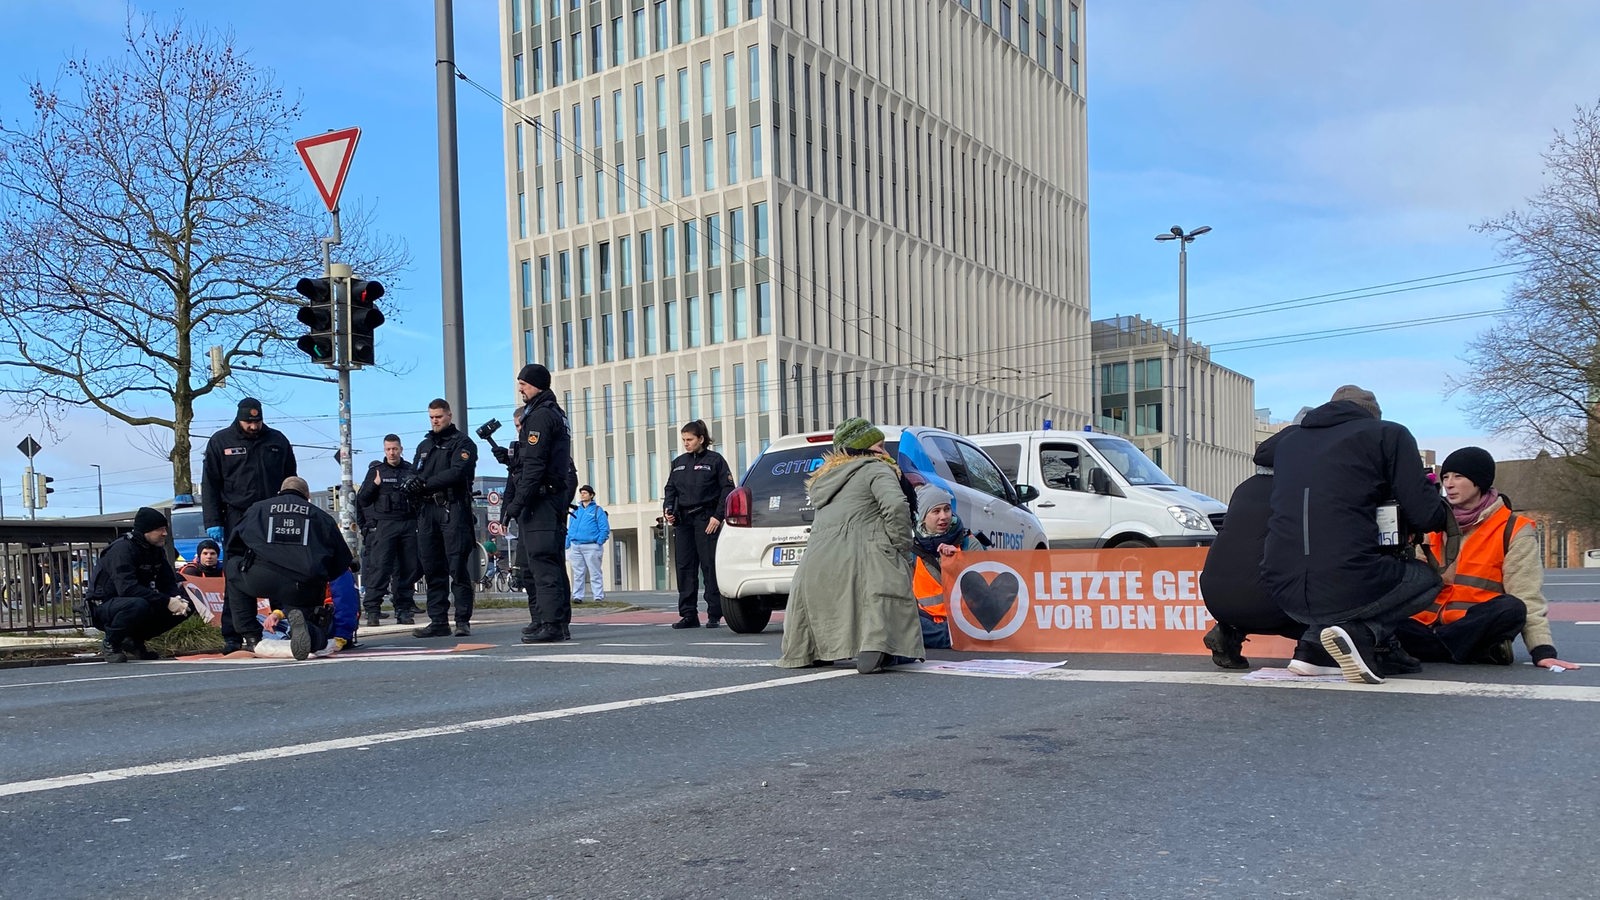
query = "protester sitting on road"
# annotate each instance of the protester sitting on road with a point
(289, 550)
(205, 563)
(1231, 579)
(939, 535)
(338, 615)
(133, 594)
(1327, 563)
(851, 594)
(1493, 588)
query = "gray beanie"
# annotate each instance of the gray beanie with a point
(930, 496)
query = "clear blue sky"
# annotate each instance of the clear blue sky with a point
(1330, 146)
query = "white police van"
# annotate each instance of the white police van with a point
(768, 517)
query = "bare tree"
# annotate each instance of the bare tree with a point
(154, 207)
(1535, 374)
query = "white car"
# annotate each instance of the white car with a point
(769, 516)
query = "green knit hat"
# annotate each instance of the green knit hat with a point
(856, 434)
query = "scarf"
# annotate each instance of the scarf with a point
(1467, 518)
(930, 543)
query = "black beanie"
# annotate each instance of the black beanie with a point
(1472, 463)
(536, 375)
(147, 520)
(249, 410)
(207, 544)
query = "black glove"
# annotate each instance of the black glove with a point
(510, 512)
(501, 456)
(414, 487)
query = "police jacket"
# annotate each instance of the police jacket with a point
(384, 502)
(1322, 557)
(1231, 578)
(295, 537)
(240, 469)
(447, 461)
(133, 567)
(546, 478)
(698, 482)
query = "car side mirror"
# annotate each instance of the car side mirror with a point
(1099, 481)
(1027, 493)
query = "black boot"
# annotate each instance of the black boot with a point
(1226, 645)
(372, 620)
(137, 650)
(111, 651)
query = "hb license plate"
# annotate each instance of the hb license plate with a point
(787, 556)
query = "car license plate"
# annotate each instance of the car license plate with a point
(787, 556)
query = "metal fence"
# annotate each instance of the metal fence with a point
(45, 566)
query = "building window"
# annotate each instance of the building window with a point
(660, 11)
(627, 408)
(518, 86)
(691, 246)
(561, 205)
(718, 317)
(685, 179)
(695, 332)
(522, 214)
(736, 234)
(625, 259)
(648, 316)
(521, 150)
(588, 418)
(762, 404)
(733, 157)
(605, 265)
(536, 68)
(707, 89)
(555, 64)
(638, 108)
(761, 229)
(542, 221)
(525, 284)
(671, 400)
(544, 279)
(619, 41)
(713, 241)
(665, 173)
(566, 345)
(669, 251)
(739, 406)
(585, 271)
(641, 40)
(643, 176)
(597, 56)
(669, 312)
(754, 64)
(763, 308)
(757, 163)
(661, 101)
(730, 81)
(577, 128)
(717, 410)
(741, 313)
(647, 258)
(565, 265)
(685, 21)
(555, 133)
(629, 348)
(588, 341)
(694, 395)
(683, 95)
(549, 345)
(708, 152)
(649, 403)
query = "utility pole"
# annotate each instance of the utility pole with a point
(455, 342)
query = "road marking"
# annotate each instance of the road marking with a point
(366, 740)
(639, 659)
(186, 669)
(1586, 623)
(729, 644)
(1476, 690)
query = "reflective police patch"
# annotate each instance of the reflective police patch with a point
(533, 437)
(465, 455)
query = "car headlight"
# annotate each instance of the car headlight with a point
(1189, 518)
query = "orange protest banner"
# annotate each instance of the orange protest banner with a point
(206, 595)
(1084, 601)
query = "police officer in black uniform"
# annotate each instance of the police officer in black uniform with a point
(389, 546)
(244, 463)
(133, 594)
(697, 491)
(446, 462)
(288, 551)
(546, 482)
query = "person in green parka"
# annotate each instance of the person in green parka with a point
(851, 595)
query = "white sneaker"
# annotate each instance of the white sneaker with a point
(1301, 667)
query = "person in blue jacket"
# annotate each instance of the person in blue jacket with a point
(587, 534)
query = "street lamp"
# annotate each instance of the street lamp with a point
(1175, 233)
(997, 416)
(99, 488)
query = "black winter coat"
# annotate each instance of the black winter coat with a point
(1231, 579)
(239, 469)
(546, 477)
(131, 567)
(1322, 557)
(447, 461)
(296, 536)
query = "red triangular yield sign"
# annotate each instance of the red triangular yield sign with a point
(327, 158)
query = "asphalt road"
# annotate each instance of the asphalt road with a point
(639, 761)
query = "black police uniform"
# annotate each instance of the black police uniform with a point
(546, 482)
(446, 463)
(289, 550)
(128, 593)
(238, 470)
(697, 489)
(389, 551)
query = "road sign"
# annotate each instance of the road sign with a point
(496, 529)
(494, 498)
(327, 157)
(29, 447)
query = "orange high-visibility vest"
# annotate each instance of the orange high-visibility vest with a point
(1480, 567)
(929, 592)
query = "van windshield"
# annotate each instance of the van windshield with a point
(1127, 459)
(188, 524)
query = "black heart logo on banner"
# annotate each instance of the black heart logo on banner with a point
(990, 601)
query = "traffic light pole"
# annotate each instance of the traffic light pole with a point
(341, 364)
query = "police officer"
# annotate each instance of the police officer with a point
(446, 462)
(133, 594)
(546, 481)
(288, 549)
(244, 463)
(389, 548)
(696, 492)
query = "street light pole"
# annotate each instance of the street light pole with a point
(1181, 438)
(99, 488)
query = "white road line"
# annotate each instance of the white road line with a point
(639, 659)
(367, 740)
(1586, 623)
(187, 669)
(729, 644)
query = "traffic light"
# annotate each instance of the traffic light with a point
(42, 490)
(317, 314)
(27, 491)
(364, 317)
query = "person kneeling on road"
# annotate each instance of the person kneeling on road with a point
(291, 550)
(133, 594)
(338, 615)
(938, 536)
(1494, 588)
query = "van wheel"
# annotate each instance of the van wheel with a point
(745, 616)
(1132, 544)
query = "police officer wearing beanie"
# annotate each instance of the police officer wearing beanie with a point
(446, 461)
(696, 493)
(1493, 586)
(133, 593)
(546, 480)
(390, 545)
(244, 463)
(288, 550)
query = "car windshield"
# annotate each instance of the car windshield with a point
(777, 484)
(188, 524)
(1134, 465)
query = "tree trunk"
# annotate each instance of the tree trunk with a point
(182, 473)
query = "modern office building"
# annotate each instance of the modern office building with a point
(772, 215)
(1136, 394)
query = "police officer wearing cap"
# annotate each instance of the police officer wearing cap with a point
(446, 461)
(288, 549)
(390, 534)
(244, 463)
(546, 481)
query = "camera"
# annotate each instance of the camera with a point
(487, 429)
